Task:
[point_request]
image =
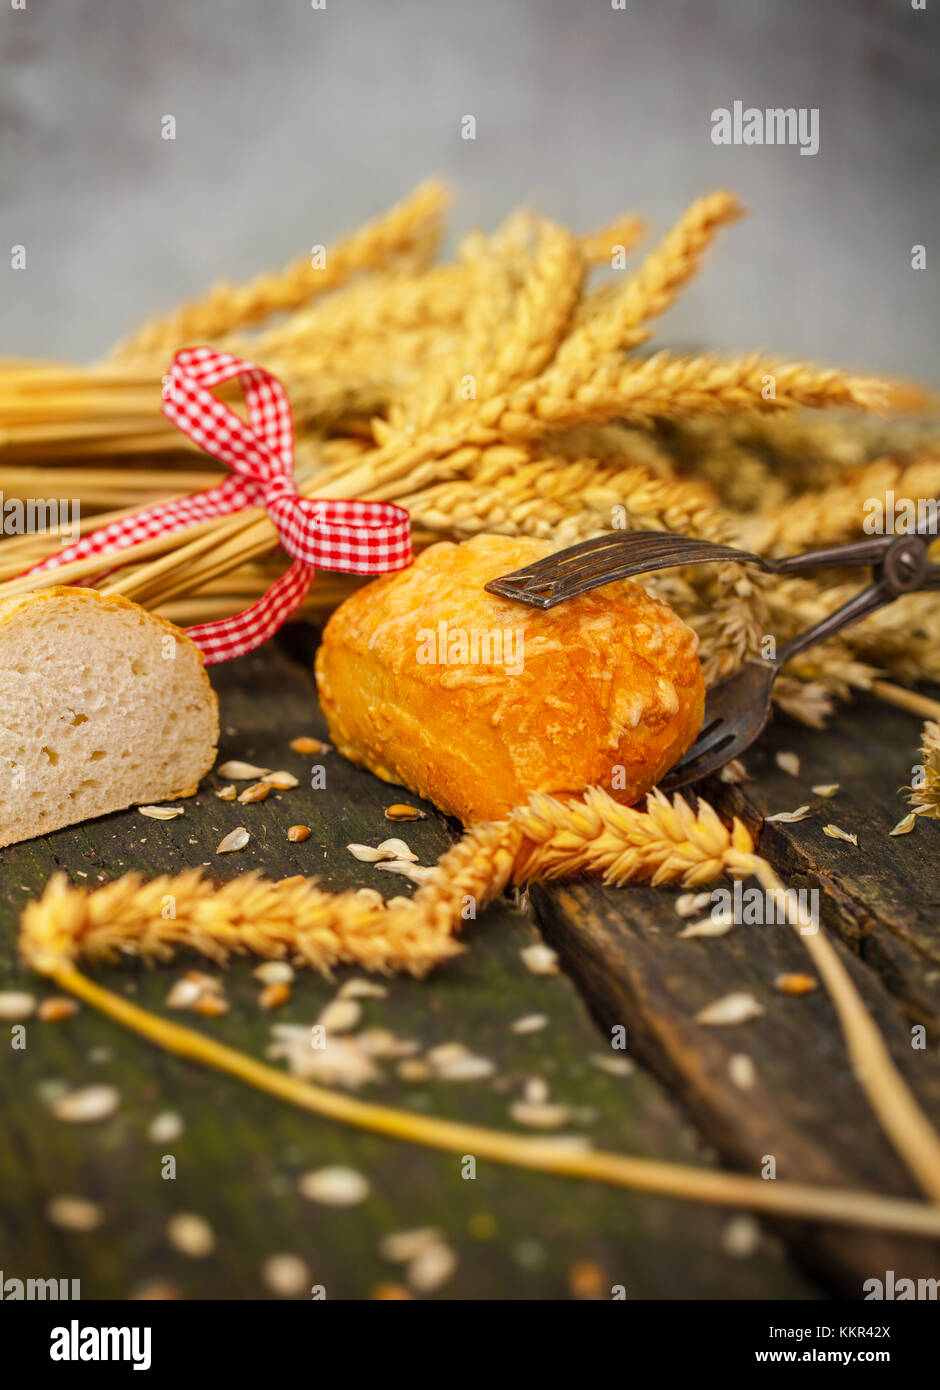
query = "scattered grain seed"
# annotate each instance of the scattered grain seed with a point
(734, 772)
(227, 793)
(258, 791)
(401, 1247)
(718, 925)
(57, 1008)
(74, 1213)
(183, 994)
(586, 1279)
(340, 1062)
(340, 1016)
(191, 1235)
(469, 1068)
(539, 1114)
(161, 812)
(286, 1275)
(796, 983)
(304, 744)
(362, 989)
(402, 812)
(741, 1237)
(536, 1090)
(826, 789)
(397, 849)
(241, 772)
(367, 854)
(789, 817)
(529, 1023)
(211, 983)
(165, 1128)
(732, 1009)
(444, 1053)
(687, 904)
(414, 1069)
(87, 1105)
(280, 781)
(788, 762)
(540, 959)
(274, 972)
(417, 873)
(334, 1187)
(613, 1066)
(905, 826)
(210, 1006)
(273, 996)
(298, 833)
(235, 839)
(432, 1268)
(742, 1071)
(834, 833)
(16, 1004)
(380, 1042)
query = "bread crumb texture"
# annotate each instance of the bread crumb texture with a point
(476, 702)
(102, 706)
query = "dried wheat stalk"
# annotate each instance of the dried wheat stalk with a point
(415, 221)
(855, 1209)
(619, 321)
(665, 386)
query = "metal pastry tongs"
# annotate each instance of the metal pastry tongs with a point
(738, 709)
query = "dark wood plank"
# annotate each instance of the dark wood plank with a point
(884, 897)
(517, 1235)
(623, 950)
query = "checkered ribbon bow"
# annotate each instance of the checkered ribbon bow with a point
(356, 537)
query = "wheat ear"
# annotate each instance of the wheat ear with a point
(619, 322)
(665, 386)
(621, 235)
(226, 307)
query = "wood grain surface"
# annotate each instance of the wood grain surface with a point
(515, 1235)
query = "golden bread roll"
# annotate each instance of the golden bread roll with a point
(476, 702)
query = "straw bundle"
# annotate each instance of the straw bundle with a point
(502, 391)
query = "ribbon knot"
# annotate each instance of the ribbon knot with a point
(318, 533)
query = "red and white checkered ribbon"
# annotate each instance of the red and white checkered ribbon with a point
(356, 537)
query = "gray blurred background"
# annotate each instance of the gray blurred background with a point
(294, 124)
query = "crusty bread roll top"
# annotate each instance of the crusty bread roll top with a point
(476, 702)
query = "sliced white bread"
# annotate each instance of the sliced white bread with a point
(102, 705)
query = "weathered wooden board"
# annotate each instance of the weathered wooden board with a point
(516, 1235)
(879, 900)
(884, 898)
